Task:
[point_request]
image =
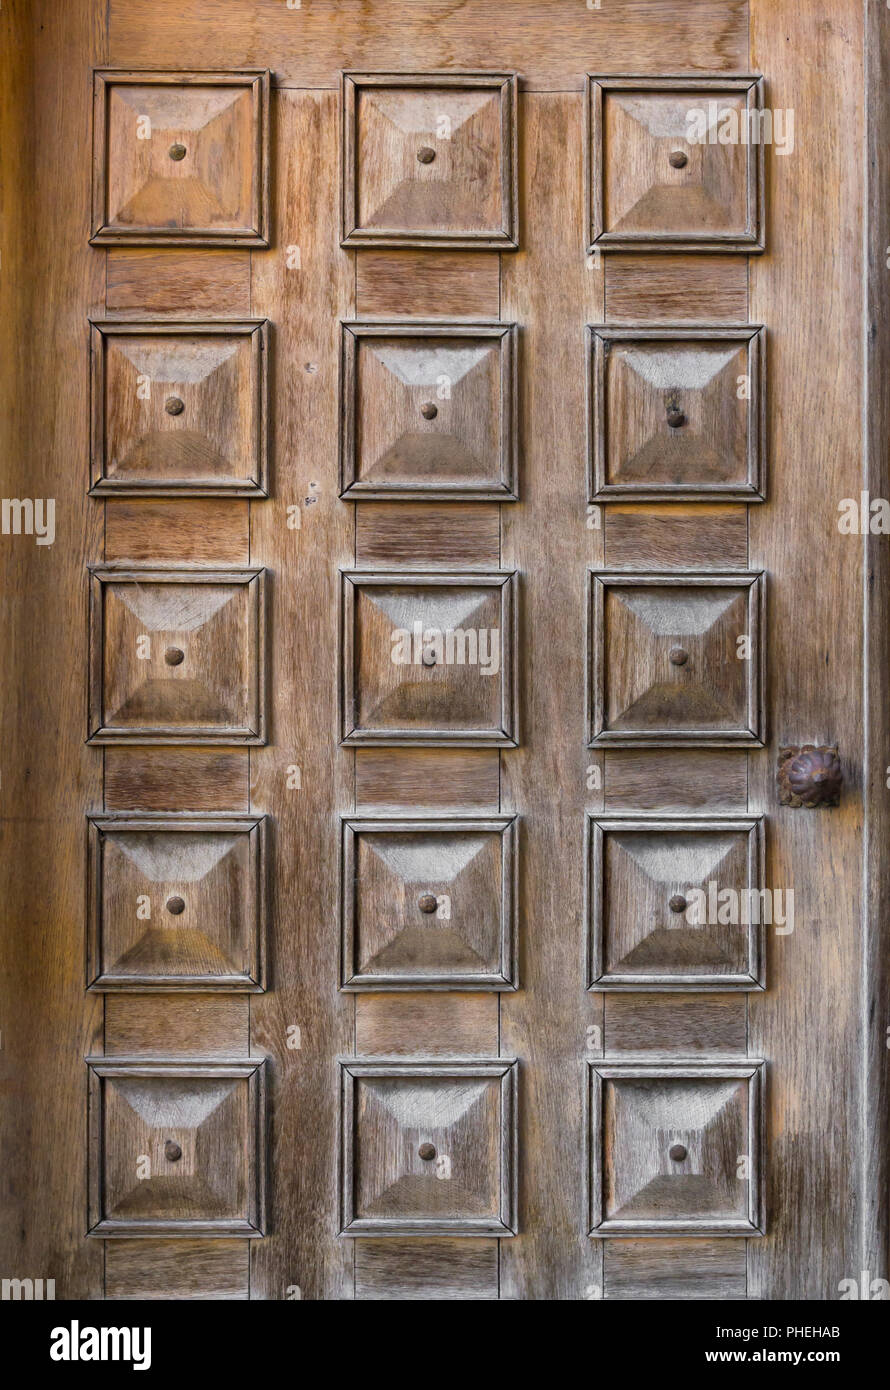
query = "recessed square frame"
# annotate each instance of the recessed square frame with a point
(599, 341)
(503, 1070)
(98, 732)
(505, 978)
(253, 826)
(105, 233)
(253, 1071)
(503, 238)
(506, 736)
(256, 330)
(705, 85)
(746, 1069)
(351, 486)
(598, 979)
(752, 735)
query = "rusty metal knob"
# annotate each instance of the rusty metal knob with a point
(678, 159)
(809, 776)
(427, 1152)
(172, 1151)
(174, 656)
(174, 406)
(429, 411)
(175, 906)
(427, 902)
(678, 656)
(677, 903)
(177, 152)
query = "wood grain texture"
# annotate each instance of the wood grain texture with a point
(814, 691)
(675, 1270)
(167, 531)
(438, 1269)
(686, 1025)
(305, 47)
(439, 1025)
(674, 288)
(388, 534)
(181, 1269)
(669, 536)
(176, 779)
(302, 1248)
(426, 779)
(50, 277)
(161, 1025)
(144, 280)
(426, 284)
(548, 288)
(697, 780)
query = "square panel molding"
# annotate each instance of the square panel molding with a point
(675, 903)
(177, 1148)
(428, 411)
(428, 1147)
(177, 902)
(676, 660)
(429, 159)
(676, 413)
(177, 656)
(675, 1148)
(675, 163)
(429, 904)
(181, 158)
(428, 658)
(179, 408)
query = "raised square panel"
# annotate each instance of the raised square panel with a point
(176, 902)
(181, 158)
(675, 1149)
(675, 163)
(675, 904)
(676, 659)
(429, 904)
(176, 1148)
(179, 409)
(676, 413)
(428, 659)
(429, 159)
(177, 656)
(428, 411)
(429, 1148)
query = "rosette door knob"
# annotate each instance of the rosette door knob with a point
(809, 776)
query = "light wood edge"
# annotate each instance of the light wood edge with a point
(257, 329)
(504, 1068)
(599, 823)
(599, 490)
(754, 736)
(254, 826)
(506, 980)
(104, 235)
(98, 733)
(253, 1071)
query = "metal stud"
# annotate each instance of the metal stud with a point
(429, 411)
(175, 906)
(172, 1151)
(177, 152)
(425, 155)
(678, 656)
(675, 418)
(427, 902)
(427, 1152)
(677, 903)
(174, 656)
(174, 406)
(678, 1152)
(677, 159)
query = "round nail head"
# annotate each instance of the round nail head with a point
(175, 906)
(172, 1151)
(427, 902)
(677, 903)
(174, 406)
(678, 159)
(678, 1152)
(177, 152)
(425, 155)
(678, 656)
(675, 418)
(429, 411)
(427, 1152)
(174, 656)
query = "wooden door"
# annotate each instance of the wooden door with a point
(445, 728)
